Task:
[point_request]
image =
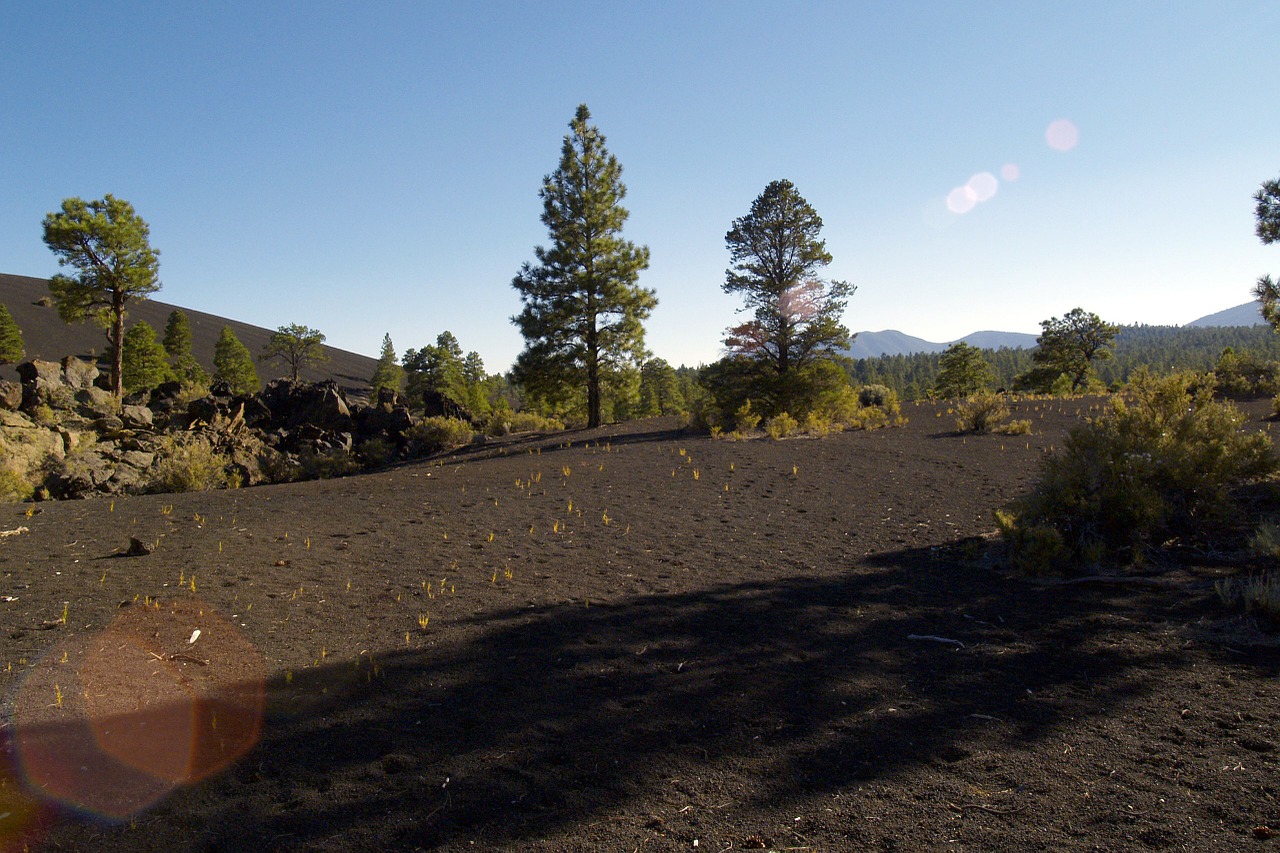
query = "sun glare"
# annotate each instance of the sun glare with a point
(1062, 135)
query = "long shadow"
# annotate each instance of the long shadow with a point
(552, 717)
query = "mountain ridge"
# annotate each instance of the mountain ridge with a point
(890, 342)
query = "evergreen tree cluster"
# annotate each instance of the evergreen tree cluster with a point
(1164, 349)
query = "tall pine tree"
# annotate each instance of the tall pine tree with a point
(11, 346)
(583, 310)
(177, 343)
(387, 374)
(144, 364)
(233, 363)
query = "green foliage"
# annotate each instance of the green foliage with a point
(233, 364)
(534, 422)
(177, 343)
(12, 347)
(660, 391)
(388, 373)
(442, 369)
(145, 364)
(981, 413)
(190, 466)
(776, 255)
(583, 312)
(297, 346)
(1246, 375)
(781, 426)
(1160, 465)
(1068, 347)
(13, 488)
(108, 245)
(963, 372)
(432, 435)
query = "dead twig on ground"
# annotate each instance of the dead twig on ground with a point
(936, 639)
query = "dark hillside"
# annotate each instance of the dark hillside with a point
(47, 337)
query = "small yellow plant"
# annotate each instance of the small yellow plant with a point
(566, 470)
(423, 621)
(697, 475)
(57, 696)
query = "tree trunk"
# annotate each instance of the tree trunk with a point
(117, 345)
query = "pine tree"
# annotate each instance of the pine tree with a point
(108, 244)
(388, 374)
(233, 364)
(583, 310)
(1267, 213)
(12, 347)
(145, 364)
(297, 346)
(776, 256)
(1068, 347)
(177, 343)
(964, 371)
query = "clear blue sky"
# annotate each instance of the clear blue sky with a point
(373, 167)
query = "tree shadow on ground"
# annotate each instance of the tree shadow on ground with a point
(551, 717)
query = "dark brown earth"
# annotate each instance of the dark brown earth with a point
(624, 640)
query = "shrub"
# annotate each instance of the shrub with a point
(745, 419)
(782, 425)
(817, 424)
(876, 395)
(432, 435)
(1258, 595)
(534, 422)
(1245, 375)
(377, 452)
(1020, 427)
(13, 488)
(190, 467)
(981, 413)
(327, 465)
(1157, 467)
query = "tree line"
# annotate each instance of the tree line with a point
(583, 314)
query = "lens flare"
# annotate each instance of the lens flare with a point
(983, 186)
(1010, 172)
(1062, 135)
(111, 722)
(961, 200)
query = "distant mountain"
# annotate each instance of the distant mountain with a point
(47, 337)
(1247, 314)
(893, 342)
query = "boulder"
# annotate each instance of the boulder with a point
(41, 383)
(93, 402)
(10, 395)
(137, 417)
(437, 405)
(77, 373)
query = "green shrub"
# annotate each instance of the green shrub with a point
(1019, 427)
(782, 425)
(745, 419)
(1245, 375)
(432, 435)
(1159, 466)
(534, 422)
(981, 413)
(192, 466)
(876, 395)
(1258, 595)
(327, 465)
(817, 424)
(13, 488)
(377, 452)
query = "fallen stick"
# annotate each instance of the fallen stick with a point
(14, 532)
(936, 639)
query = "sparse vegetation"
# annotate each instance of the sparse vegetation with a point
(190, 466)
(1159, 466)
(981, 413)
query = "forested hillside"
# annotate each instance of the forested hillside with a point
(1162, 348)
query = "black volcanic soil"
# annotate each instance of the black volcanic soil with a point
(623, 640)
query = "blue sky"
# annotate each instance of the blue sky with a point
(374, 167)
